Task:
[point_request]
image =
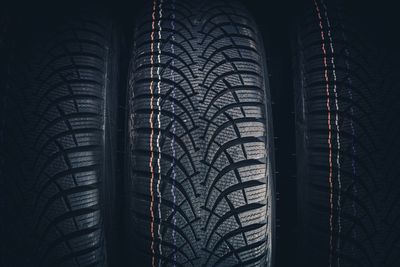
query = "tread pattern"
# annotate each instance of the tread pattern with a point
(171, 57)
(63, 106)
(338, 129)
(236, 217)
(215, 173)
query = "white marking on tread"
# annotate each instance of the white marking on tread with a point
(337, 129)
(159, 130)
(173, 132)
(328, 108)
(153, 16)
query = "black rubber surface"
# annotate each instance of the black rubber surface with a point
(338, 139)
(61, 124)
(200, 188)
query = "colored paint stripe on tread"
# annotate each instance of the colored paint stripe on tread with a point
(173, 193)
(159, 196)
(152, 132)
(337, 130)
(328, 107)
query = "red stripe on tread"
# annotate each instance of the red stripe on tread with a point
(152, 132)
(328, 107)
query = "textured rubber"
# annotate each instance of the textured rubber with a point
(200, 187)
(338, 145)
(65, 118)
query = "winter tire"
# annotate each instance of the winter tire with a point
(64, 121)
(200, 190)
(337, 125)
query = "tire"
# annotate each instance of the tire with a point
(200, 190)
(64, 157)
(338, 146)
